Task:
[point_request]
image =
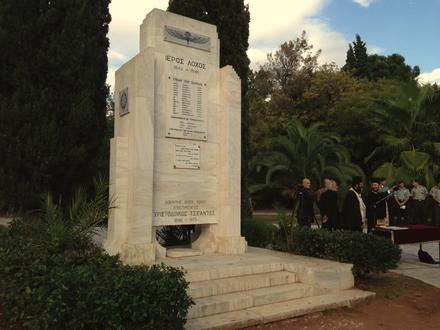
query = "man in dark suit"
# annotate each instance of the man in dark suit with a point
(354, 210)
(304, 198)
(328, 206)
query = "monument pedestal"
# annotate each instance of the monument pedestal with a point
(262, 286)
(208, 242)
(138, 254)
(176, 155)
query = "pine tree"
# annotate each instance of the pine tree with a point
(232, 20)
(53, 67)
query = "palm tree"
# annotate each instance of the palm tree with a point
(407, 125)
(405, 121)
(303, 152)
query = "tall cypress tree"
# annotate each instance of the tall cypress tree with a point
(53, 67)
(361, 56)
(232, 20)
(350, 61)
(357, 59)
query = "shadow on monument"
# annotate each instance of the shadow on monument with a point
(178, 236)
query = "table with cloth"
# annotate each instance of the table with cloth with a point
(416, 233)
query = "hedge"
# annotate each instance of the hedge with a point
(367, 252)
(60, 282)
(258, 232)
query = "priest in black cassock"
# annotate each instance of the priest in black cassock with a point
(376, 205)
(353, 210)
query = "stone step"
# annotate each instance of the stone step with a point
(231, 270)
(278, 311)
(220, 286)
(246, 299)
(183, 252)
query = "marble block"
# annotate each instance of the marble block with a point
(175, 157)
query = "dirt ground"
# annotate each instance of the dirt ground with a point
(401, 303)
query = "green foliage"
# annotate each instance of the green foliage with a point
(291, 67)
(354, 118)
(232, 20)
(53, 68)
(328, 86)
(174, 235)
(284, 236)
(391, 67)
(413, 164)
(258, 232)
(387, 123)
(410, 134)
(375, 67)
(304, 152)
(357, 59)
(368, 253)
(52, 276)
(3, 231)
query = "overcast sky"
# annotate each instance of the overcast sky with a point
(407, 27)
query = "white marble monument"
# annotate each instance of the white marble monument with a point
(175, 155)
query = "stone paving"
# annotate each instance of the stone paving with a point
(412, 267)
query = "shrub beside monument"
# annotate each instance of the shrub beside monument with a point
(368, 253)
(52, 276)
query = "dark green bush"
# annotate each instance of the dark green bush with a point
(367, 252)
(3, 230)
(53, 277)
(258, 232)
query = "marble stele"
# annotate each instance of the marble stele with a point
(176, 152)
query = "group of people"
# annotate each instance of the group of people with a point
(362, 211)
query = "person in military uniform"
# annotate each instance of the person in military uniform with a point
(304, 198)
(401, 198)
(376, 205)
(328, 206)
(353, 210)
(435, 194)
(418, 204)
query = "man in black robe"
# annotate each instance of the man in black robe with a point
(304, 198)
(376, 205)
(328, 206)
(353, 209)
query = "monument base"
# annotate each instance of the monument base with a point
(262, 286)
(136, 254)
(209, 243)
(183, 253)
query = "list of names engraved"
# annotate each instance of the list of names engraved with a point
(188, 109)
(187, 156)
